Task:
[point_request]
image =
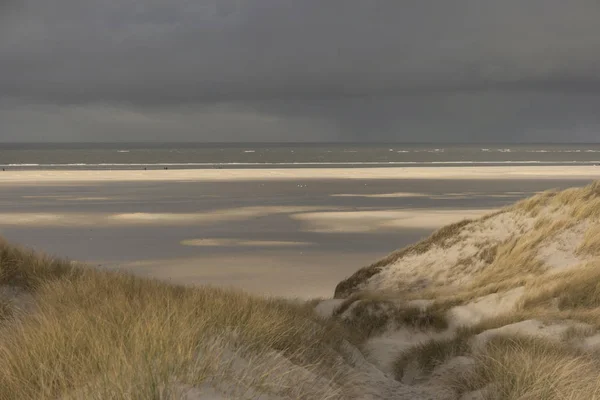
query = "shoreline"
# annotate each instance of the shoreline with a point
(461, 173)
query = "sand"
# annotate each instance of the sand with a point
(278, 272)
(219, 242)
(369, 221)
(485, 172)
(288, 232)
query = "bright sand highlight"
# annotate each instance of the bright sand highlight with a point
(487, 172)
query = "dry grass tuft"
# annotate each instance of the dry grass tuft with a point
(534, 204)
(526, 368)
(430, 354)
(583, 202)
(359, 296)
(488, 253)
(370, 317)
(6, 310)
(571, 290)
(27, 269)
(591, 241)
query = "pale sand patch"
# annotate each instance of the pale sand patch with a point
(367, 221)
(326, 308)
(560, 252)
(42, 219)
(452, 197)
(69, 198)
(244, 243)
(421, 304)
(531, 328)
(216, 215)
(480, 172)
(300, 274)
(485, 307)
(87, 199)
(56, 196)
(444, 196)
(382, 195)
(106, 219)
(590, 343)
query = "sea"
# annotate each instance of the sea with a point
(106, 156)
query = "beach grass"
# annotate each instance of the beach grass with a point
(518, 367)
(99, 334)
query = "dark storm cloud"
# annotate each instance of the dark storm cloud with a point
(464, 68)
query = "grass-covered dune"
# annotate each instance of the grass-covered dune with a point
(69, 331)
(503, 307)
(511, 303)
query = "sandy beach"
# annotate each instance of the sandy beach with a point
(212, 175)
(286, 232)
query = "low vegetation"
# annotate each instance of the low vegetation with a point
(518, 367)
(107, 335)
(371, 315)
(427, 355)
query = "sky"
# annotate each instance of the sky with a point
(300, 70)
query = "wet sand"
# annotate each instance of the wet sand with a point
(285, 236)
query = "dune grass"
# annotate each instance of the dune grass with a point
(570, 290)
(554, 212)
(5, 310)
(370, 313)
(534, 204)
(371, 317)
(591, 241)
(516, 367)
(106, 335)
(359, 296)
(430, 354)
(445, 236)
(524, 367)
(514, 263)
(28, 269)
(583, 202)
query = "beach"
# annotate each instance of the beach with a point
(241, 174)
(281, 232)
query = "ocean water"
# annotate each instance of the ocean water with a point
(240, 155)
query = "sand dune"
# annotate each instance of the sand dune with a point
(488, 308)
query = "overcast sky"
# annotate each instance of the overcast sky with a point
(300, 70)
